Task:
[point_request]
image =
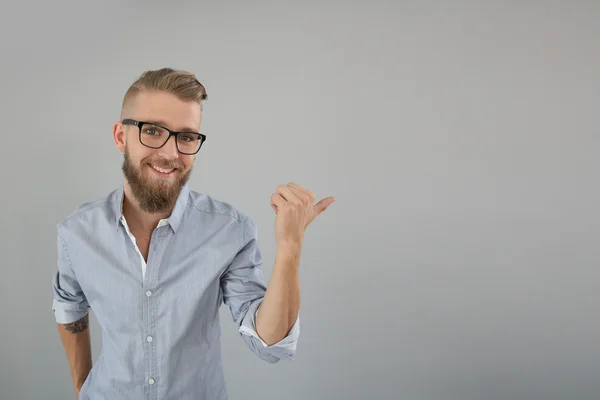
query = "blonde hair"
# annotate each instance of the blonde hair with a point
(182, 84)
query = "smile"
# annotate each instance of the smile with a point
(164, 171)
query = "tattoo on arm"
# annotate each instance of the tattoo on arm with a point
(78, 326)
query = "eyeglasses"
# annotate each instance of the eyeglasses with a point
(156, 136)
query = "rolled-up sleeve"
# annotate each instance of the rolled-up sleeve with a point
(244, 288)
(69, 303)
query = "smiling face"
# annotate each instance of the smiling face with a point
(156, 176)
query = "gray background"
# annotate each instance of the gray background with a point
(460, 139)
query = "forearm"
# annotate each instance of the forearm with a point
(279, 309)
(76, 341)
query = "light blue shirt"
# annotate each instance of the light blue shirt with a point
(160, 320)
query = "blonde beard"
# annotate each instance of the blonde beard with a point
(152, 196)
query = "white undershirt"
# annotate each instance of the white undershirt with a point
(143, 262)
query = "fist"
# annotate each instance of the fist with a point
(295, 210)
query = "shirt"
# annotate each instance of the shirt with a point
(160, 320)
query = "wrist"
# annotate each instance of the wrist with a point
(291, 246)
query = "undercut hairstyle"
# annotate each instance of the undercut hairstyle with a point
(182, 84)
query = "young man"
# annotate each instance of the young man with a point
(154, 260)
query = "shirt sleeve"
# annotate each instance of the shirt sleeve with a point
(243, 287)
(69, 303)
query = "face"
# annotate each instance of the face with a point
(156, 176)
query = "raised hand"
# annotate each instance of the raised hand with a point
(295, 210)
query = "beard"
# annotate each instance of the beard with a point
(153, 194)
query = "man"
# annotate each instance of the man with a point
(154, 260)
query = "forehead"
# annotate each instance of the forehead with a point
(167, 109)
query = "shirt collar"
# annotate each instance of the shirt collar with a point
(174, 219)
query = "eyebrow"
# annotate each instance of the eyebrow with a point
(164, 125)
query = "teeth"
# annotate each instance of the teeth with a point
(164, 171)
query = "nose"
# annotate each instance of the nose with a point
(169, 150)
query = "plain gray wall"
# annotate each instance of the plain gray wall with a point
(461, 140)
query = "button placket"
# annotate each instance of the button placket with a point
(151, 304)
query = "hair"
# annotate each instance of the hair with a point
(182, 84)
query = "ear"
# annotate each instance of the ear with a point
(119, 136)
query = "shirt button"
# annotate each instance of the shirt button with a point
(148, 293)
(149, 338)
(151, 381)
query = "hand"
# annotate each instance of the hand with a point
(295, 211)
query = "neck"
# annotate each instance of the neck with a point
(138, 219)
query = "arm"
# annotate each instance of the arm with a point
(295, 211)
(272, 310)
(243, 290)
(279, 309)
(75, 337)
(71, 311)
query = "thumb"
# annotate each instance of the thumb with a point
(323, 204)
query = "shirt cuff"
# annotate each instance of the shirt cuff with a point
(248, 327)
(63, 315)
